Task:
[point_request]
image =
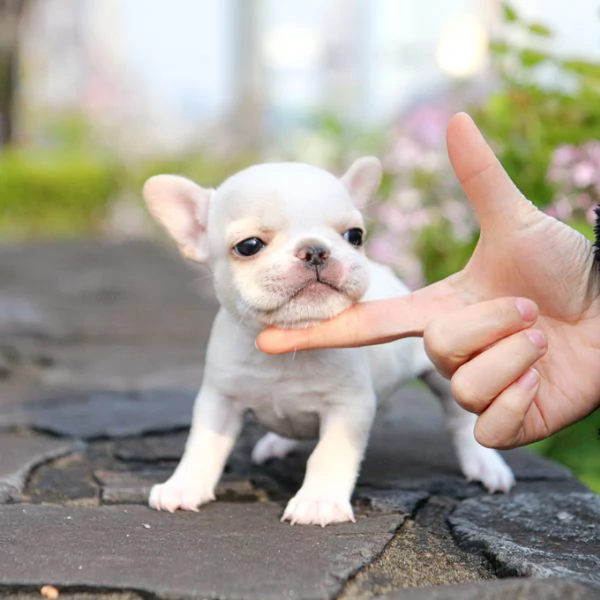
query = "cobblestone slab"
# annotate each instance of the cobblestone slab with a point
(19, 454)
(105, 343)
(223, 551)
(109, 413)
(524, 589)
(90, 290)
(534, 535)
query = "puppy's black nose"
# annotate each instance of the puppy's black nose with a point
(313, 256)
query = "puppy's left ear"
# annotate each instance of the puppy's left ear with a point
(362, 179)
(181, 207)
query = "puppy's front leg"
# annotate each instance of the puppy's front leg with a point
(216, 423)
(333, 466)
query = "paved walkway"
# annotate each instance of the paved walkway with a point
(101, 352)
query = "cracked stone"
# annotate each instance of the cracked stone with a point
(534, 535)
(19, 315)
(391, 500)
(151, 448)
(22, 453)
(103, 290)
(530, 589)
(124, 487)
(110, 413)
(90, 364)
(226, 550)
(68, 480)
(421, 553)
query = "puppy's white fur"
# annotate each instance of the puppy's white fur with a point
(330, 394)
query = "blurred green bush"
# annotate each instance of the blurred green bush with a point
(547, 104)
(61, 193)
(68, 192)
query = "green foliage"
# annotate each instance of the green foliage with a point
(59, 193)
(206, 170)
(440, 253)
(578, 448)
(527, 119)
(68, 192)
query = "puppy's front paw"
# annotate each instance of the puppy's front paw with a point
(487, 466)
(317, 509)
(178, 493)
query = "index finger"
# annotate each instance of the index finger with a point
(365, 323)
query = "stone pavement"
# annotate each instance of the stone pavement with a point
(101, 352)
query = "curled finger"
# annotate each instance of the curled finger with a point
(504, 424)
(452, 339)
(477, 382)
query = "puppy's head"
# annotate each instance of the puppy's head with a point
(284, 241)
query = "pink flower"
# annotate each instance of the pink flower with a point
(592, 151)
(584, 174)
(583, 201)
(391, 217)
(560, 209)
(564, 155)
(382, 248)
(405, 154)
(427, 124)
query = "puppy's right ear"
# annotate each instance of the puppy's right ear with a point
(181, 207)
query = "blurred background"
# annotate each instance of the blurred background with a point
(95, 96)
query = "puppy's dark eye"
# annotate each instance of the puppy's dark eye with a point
(249, 247)
(354, 236)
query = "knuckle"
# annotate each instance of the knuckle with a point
(490, 436)
(466, 392)
(438, 344)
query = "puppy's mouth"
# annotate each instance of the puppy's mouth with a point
(309, 303)
(314, 287)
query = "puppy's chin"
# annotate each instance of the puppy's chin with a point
(312, 304)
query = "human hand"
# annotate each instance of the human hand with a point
(521, 253)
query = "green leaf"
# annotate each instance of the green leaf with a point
(540, 29)
(509, 13)
(532, 58)
(499, 47)
(582, 67)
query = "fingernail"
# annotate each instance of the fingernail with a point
(538, 338)
(530, 379)
(527, 309)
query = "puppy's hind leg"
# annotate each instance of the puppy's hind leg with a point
(272, 445)
(477, 462)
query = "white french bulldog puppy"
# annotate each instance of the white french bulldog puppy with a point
(285, 246)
